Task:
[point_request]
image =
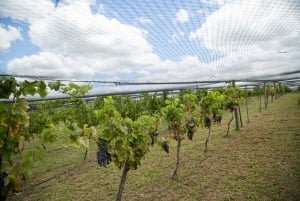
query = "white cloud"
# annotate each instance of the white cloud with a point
(8, 35)
(249, 33)
(26, 9)
(188, 68)
(182, 16)
(77, 39)
(245, 26)
(243, 67)
(48, 64)
(217, 2)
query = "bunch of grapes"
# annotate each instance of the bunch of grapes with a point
(191, 122)
(190, 126)
(103, 156)
(2, 184)
(190, 135)
(152, 136)
(165, 146)
(207, 122)
(2, 177)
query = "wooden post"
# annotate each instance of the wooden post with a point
(236, 114)
(247, 105)
(274, 86)
(240, 114)
(265, 96)
(260, 100)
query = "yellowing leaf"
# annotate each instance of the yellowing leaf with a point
(3, 122)
(84, 141)
(21, 144)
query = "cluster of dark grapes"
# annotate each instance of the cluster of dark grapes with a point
(190, 125)
(165, 146)
(2, 177)
(2, 198)
(152, 136)
(135, 166)
(207, 122)
(103, 156)
(2, 184)
(190, 135)
(191, 122)
(217, 118)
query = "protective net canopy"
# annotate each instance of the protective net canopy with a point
(137, 46)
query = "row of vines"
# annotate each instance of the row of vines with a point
(123, 128)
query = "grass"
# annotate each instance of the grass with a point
(259, 162)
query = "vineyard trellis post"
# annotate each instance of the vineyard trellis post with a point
(275, 93)
(247, 105)
(265, 96)
(260, 92)
(240, 114)
(236, 114)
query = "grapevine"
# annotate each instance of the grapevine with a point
(174, 113)
(232, 100)
(209, 104)
(15, 124)
(126, 140)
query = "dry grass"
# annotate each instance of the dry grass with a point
(260, 162)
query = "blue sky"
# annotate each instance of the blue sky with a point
(158, 18)
(150, 40)
(19, 48)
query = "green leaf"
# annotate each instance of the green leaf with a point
(84, 89)
(6, 154)
(8, 86)
(119, 144)
(42, 89)
(55, 85)
(132, 138)
(74, 141)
